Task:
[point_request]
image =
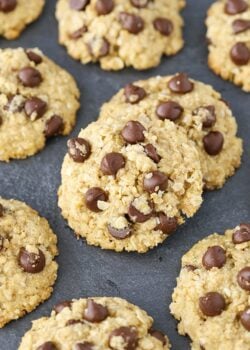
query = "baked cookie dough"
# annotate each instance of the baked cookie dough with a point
(212, 299)
(228, 33)
(95, 323)
(27, 266)
(15, 15)
(120, 33)
(38, 100)
(193, 105)
(126, 185)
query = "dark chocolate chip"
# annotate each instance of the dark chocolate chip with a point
(47, 346)
(243, 278)
(136, 215)
(99, 47)
(31, 262)
(233, 7)
(30, 77)
(60, 306)
(158, 335)
(133, 93)
(53, 126)
(242, 234)
(163, 25)
(240, 25)
(95, 312)
(78, 5)
(112, 163)
(152, 153)
(212, 304)
(139, 3)
(129, 336)
(84, 346)
(78, 33)
(245, 318)
(132, 23)
(240, 54)
(166, 224)
(190, 267)
(169, 110)
(214, 257)
(79, 149)
(155, 181)
(7, 5)
(34, 57)
(35, 108)
(1, 210)
(133, 132)
(180, 84)
(209, 115)
(92, 196)
(1, 243)
(72, 322)
(213, 142)
(104, 7)
(120, 232)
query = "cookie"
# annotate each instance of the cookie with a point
(127, 185)
(228, 33)
(15, 15)
(120, 33)
(211, 300)
(27, 252)
(193, 105)
(38, 100)
(96, 323)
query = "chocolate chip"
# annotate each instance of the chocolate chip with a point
(245, 319)
(139, 3)
(31, 262)
(232, 7)
(47, 346)
(242, 235)
(1, 243)
(133, 132)
(208, 114)
(104, 7)
(78, 5)
(158, 335)
(7, 5)
(155, 181)
(190, 267)
(119, 228)
(163, 25)
(60, 306)
(95, 312)
(132, 23)
(112, 163)
(169, 110)
(135, 210)
(30, 77)
(240, 25)
(53, 126)
(243, 278)
(99, 47)
(180, 84)
(84, 346)
(129, 336)
(133, 93)
(240, 54)
(213, 142)
(34, 57)
(166, 224)
(212, 304)
(1, 210)
(214, 257)
(78, 149)
(72, 322)
(152, 153)
(35, 108)
(78, 33)
(93, 196)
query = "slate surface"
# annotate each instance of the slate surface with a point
(146, 280)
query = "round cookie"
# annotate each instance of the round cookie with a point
(120, 33)
(15, 15)
(193, 105)
(38, 99)
(228, 33)
(96, 323)
(27, 252)
(126, 185)
(212, 299)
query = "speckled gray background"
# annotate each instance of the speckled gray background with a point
(146, 280)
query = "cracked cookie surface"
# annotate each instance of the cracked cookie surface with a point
(27, 252)
(120, 33)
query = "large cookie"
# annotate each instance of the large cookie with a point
(27, 267)
(96, 323)
(120, 33)
(38, 99)
(126, 185)
(193, 105)
(15, 15)
(212, 299)
(228, 33)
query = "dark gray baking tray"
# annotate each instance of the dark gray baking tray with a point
(146, 280)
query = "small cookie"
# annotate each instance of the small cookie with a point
(15, 15)
(120, 33)
(193, 105)
(228, 33)
(96, 323)
(212, 300)
(27, 252)
(126, 185)
(38, 100)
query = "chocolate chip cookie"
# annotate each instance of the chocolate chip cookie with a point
(228, 33)
(120, 33)
(127, 184)
(27, 252)
(38, 100)
(196, 107)
(211, 300)
(15, 15)
(95, 323)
